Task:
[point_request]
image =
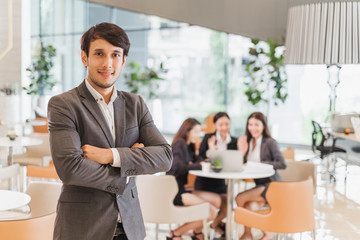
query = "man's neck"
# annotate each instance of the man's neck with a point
(106, 93)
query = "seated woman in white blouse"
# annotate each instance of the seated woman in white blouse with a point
(258, 146)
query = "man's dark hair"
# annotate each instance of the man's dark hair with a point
(110, 33)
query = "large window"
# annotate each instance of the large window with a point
(205, 69)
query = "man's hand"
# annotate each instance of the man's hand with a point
(137, 145)
(99, 155)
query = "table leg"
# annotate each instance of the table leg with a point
(10, 156)
(229, 204)
(10, 162)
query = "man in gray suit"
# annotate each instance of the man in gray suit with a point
(100, 138)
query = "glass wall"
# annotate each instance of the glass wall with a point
(205, 69)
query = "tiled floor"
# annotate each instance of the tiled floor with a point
(337, 209)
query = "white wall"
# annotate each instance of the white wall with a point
(13, 15)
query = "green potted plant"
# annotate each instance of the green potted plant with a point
(144, 81)
(266, 76)
(41, 78)
(40, 75)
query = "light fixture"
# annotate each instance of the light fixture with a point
(324, 33)
(10, 30)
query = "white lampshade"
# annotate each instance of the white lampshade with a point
(323, 33)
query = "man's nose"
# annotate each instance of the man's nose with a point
(108, 62)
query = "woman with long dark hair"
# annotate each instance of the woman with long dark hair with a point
(185, 159)
(258, 146)
(210, 189)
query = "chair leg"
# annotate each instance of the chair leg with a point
(313, 233)
(212, 232)
(157, 231)
(277, 236)
(205, 229)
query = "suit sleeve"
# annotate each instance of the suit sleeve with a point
(204, 146)
(71, 166)
(181, 161)
(155, 157)
(277, 158)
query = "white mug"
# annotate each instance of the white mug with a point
(205, 166)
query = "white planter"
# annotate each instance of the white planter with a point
(41, 106)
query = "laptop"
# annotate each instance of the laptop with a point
(232, 160)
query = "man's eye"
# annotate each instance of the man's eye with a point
(117, 55)
(98, 54)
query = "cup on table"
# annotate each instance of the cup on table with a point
(205, 166)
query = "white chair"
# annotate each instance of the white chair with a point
(156, 195)
(297, 171)
(44, 197)
(10, 173)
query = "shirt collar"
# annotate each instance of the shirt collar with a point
(258, 142)
(97, 96)
(227, 139)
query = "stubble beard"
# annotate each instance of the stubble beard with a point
(101, 84)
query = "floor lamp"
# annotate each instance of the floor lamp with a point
(324, 33)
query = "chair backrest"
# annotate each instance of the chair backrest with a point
(42, 172)
(42, 128)
(289, 153)
(318, 136)
(156, 195)
(40, 228)
(44, 197)
(209, 124)
(42, 149)
(11, 172)
(292, 207)
(298, 171)
(38, 154)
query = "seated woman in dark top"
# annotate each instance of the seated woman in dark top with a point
(220, 140)
(185, 159)
(258, 146)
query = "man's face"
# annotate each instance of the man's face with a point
(104, 63)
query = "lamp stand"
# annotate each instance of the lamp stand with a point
(333, 81)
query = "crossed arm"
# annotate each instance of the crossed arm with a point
(102, 155)
(87, 165)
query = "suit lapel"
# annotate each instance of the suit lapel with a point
(262, 148)
(92, 106)
(120, 119)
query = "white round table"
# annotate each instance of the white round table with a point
(251, 171)
(13, 199)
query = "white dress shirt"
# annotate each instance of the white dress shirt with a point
(254, 154)
(108, 113)
(222, 145)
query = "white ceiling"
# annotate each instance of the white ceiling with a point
(262, 19)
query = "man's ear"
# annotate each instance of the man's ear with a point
(124, 61)
(84, 58)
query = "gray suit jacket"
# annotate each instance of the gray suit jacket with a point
(92, 193)
(270, 154)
